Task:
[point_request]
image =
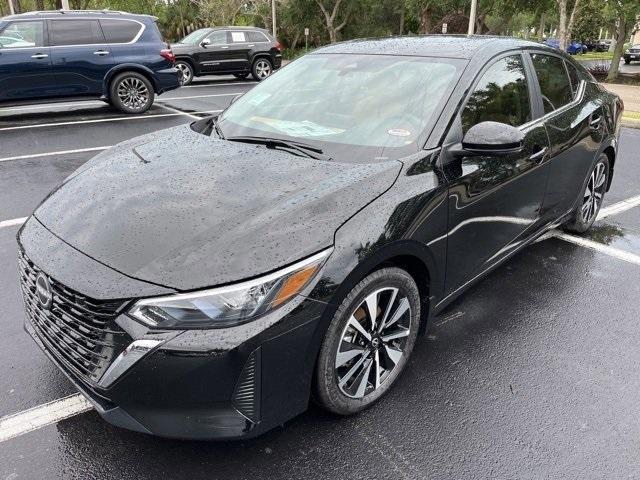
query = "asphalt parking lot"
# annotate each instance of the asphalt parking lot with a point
(534, 373)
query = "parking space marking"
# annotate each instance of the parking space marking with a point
(26, 421)
(13, 222)
(103, 120)
(219, 84)
(180, 112)
(619, 207)
(190, 97)
(50, 154)
(599, 247)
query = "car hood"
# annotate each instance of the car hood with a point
(187, 211)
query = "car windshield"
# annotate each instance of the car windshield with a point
(196, 36)
(351, 106)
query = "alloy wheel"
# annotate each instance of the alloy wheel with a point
(373, 342)
(185, 72)
(263, 69)
(133, 93)
(594, 192)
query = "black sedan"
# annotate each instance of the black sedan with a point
(206, 281)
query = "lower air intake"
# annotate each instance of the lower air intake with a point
(246, 398)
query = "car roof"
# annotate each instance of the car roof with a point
(449, 46)
(74, 14)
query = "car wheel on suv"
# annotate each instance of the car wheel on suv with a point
(186, 70)
(261, 69)
(131, 92)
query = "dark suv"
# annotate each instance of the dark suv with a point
(228, 50)
(115, 56)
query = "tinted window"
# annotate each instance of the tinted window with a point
(554, 81)
(574, 78)
(22, 35)
(218, 38)
(257, 37)
(120, 31)
(75, 32)
(501, 95)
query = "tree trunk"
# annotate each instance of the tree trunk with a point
(425, 20)
(541, 28)
(562, 26)
(621, 37)
(401, 28)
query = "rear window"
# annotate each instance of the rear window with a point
(75, 32)
(120, 31)
(554, 81)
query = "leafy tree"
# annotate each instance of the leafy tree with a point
(625, 13)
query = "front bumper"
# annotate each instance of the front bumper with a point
(226, 383)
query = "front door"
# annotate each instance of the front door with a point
(494, 201)
(212, 55)
(25, 63)
(80, 56)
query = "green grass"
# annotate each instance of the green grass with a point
(594, 56)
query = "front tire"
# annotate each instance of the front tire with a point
(368, 342)
(186, 72)
(262, 68)
(587, 210)
(131, 92)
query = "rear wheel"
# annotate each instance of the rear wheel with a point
(261, 69)
(368, 342)
(186, 72)
(587, 210)
(131, 92)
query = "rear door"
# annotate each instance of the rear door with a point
(80, 55)
(574, 122)
(494, 201)
(239, 50)
(25, 62)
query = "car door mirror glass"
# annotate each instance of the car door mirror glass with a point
(492, 138)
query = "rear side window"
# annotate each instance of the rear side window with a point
(574, 78)
(257, 37)
(75, 32)
(238, 37)
(22, 35)
(501, 95)
(120, 31)
(554, 81)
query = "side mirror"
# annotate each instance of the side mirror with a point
(205, 43)
(493, 138)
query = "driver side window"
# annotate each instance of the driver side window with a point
(218, 38)
(501, 95)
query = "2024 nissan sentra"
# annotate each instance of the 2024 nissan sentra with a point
(205, 281)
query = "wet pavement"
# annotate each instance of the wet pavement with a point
(533, 373)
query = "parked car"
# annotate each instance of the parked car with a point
(228, 50)
(604, 44)
(632, 54)
(308, 235)
(574, 47)
(56, 55)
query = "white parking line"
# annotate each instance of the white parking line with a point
(23, 422)
(50, 154)
(219, 84)
(13, 222)
(190, 97)
(619, 207)
(104, 120)
(599, 247)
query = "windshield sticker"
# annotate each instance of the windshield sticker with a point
(399, 132)
(298, 129)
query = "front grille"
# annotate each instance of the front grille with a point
(78, 331)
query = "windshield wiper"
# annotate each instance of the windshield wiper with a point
(302, 148)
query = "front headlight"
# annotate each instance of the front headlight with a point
(231, 305)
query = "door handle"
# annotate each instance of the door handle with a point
(224, 46)
(40, 56)
(538, 157)
(101, 53)
(252, 45)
